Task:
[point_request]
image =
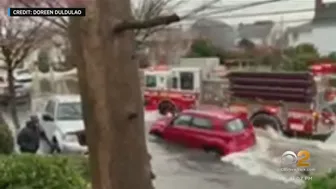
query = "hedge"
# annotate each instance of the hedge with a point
(6, 140)
(24, 171)
(327, 181)
(81, 165)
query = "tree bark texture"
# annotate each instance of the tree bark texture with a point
(111, 97)
(12, 99)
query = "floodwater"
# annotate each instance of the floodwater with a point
(258, 168)
(180, 168)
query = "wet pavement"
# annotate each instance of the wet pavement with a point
(180, 168)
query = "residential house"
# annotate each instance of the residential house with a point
(319, 31)
(168, 45)
(219, 33)
(261, 33)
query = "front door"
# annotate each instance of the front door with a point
(175, 132)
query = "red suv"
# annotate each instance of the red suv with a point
(216, 131)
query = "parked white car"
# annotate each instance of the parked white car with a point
(21, 92)
(63, 124)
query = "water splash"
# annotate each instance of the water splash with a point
(151, 116)
(264, 158)
(258, 162)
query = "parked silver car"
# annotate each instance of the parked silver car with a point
(22, 94)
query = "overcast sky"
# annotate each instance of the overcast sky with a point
(286, 5)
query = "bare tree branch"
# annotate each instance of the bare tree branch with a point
(151, 11)
(19, 37)
(150, 16)
(162, 20)
(199, 9)
(60, 22)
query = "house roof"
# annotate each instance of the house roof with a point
(205, 22)
(219, 33)
(325, 15)
(169, 33)
(255, 30)
(306, 27)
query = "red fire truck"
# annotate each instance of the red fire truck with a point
(178, 87)
(295, 104)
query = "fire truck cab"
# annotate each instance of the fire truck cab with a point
(172, 89)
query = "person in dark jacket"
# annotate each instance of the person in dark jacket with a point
(29, 137)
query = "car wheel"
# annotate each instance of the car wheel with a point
(166, 107)
(265, 121)
(156, 136)
(214, 151)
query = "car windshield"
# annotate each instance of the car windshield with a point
(235, 125)
(69, 111)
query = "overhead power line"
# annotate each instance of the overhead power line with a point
(220, 25)
(225, 8)
(240, 7)
(262, 14)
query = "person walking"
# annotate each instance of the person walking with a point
(29, 137)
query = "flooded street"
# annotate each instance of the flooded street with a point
(180, 168)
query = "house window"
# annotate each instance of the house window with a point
(295, 36)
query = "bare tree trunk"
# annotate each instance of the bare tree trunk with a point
(111, 97)
(12, 99)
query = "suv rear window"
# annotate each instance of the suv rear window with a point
(235, 125)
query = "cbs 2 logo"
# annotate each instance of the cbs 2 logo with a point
(300, 158)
